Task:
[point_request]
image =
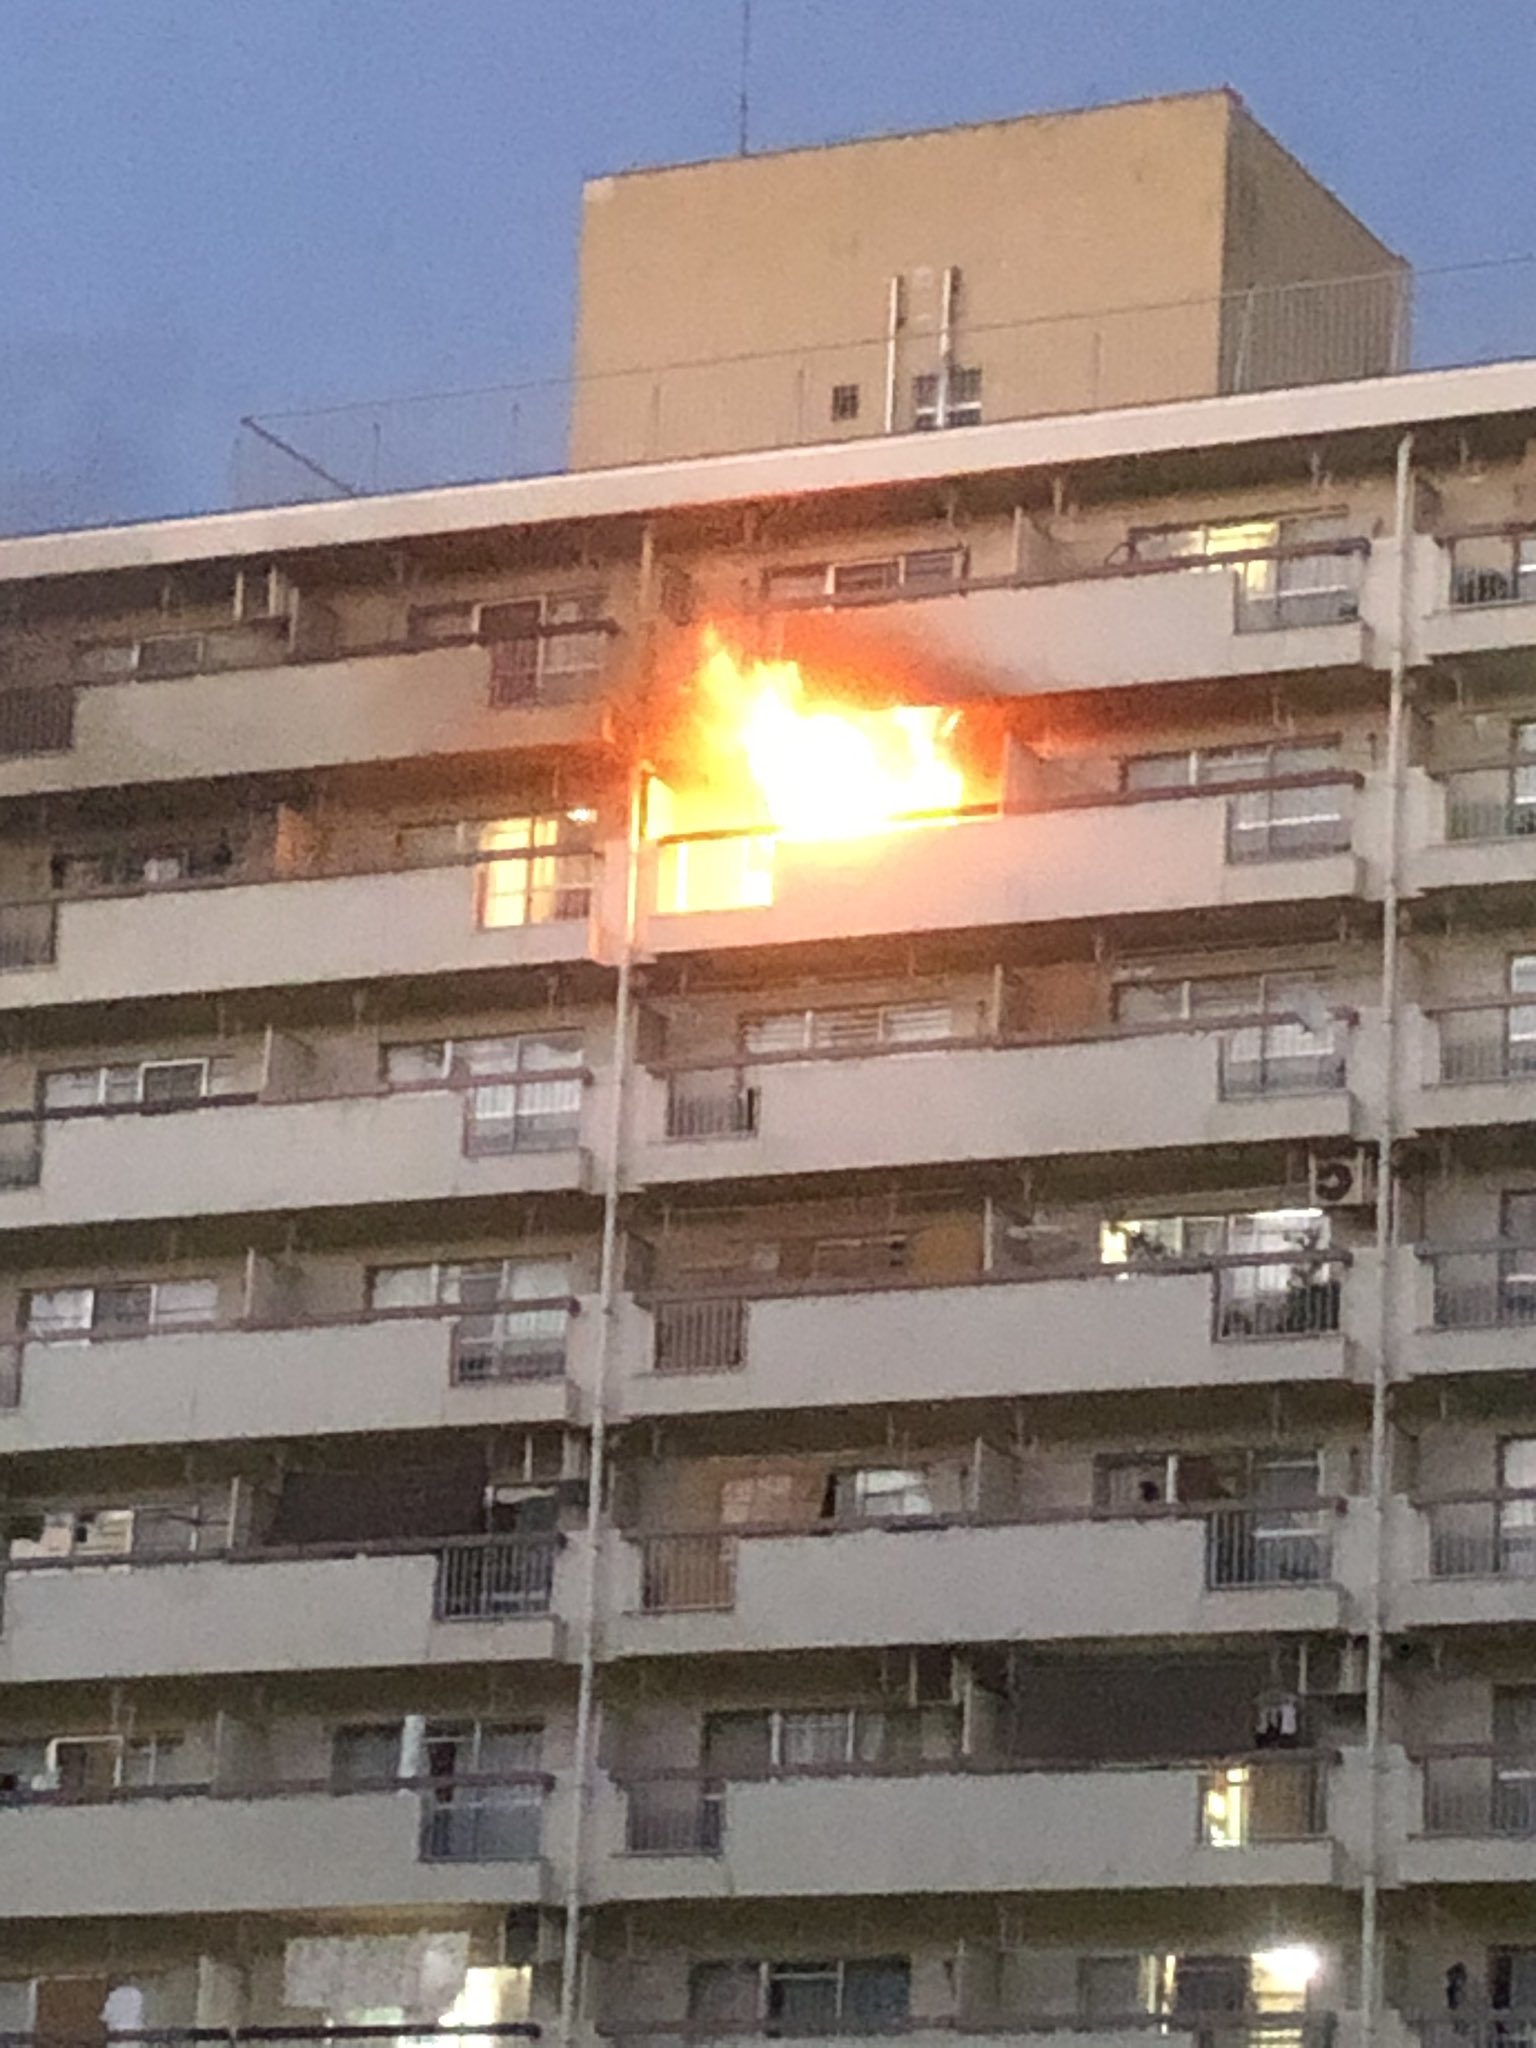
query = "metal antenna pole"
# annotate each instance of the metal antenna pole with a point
(743, 100)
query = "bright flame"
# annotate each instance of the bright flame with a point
(770, 757)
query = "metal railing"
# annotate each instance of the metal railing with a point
(1279, 1056)
(522, 1343)
(1314, 602)
(37, 721)
(1511, 2027)
(693, 1573)
(711, 1103)
(1300, 1296)
(495, 1578)
(487, 1819)
(1483, 1287)
(28, 935)
(1492, 568)
(1271, 1799)
(1494, 802)
(1493, 1041)
(1260, 338)
(705, 1335)
(1478, 1792)
(674, 1815)
(1213, 2029)
(287, 2037)
(1482, 1535)
(1248, 1547)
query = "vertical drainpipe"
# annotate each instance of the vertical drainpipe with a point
(584, 1771)
(1386, 1192)
(892, 333)
(946, 342)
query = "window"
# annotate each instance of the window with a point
(1493, 568)
(466, 1814)
(1267, 824)
(747, 1743)
(917, 570)
(444, 1062)
(883, 1493)
(845, 401)
(366, 1753)
(1295, 590)
(474, 1284)
(534, 872)
(539, 652)
(1295, 1050)
(120, 1309)
(863, 1995)
(951, 399)
(1200, 767)
(152, 1084)
(873, 1024)
(859, 1258)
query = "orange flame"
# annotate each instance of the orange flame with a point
(768, 756)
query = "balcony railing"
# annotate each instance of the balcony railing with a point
(711, 1103)
(1512, 2027)
(1208, 2029)
(1492, 566)
(293, 2037)
(1248, 1546)
(523, 1342)
(483, 1819)
(1268, 1546)
(1483, 1535)
(1483, 1287)
(1259, 1296)
(1477, 1792)
(1495, 802)
(1282, 1055)
(511, 887)
(465, 1818)
(1483, 1041)
(495, 1578)
(702, 1335)
(1241, 1802)
(37, 721)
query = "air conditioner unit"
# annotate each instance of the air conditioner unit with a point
(1342, 1180)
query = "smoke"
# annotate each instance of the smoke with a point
(92, 427)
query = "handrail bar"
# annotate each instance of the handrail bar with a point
(285, 1553)
(757, 1287)
(1090, 1512)
(262, 1325)
(974, 1766)
(995, 1041)
(285, 1788)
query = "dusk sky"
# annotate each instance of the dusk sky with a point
(214, 207)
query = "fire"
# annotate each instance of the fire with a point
(768, 755)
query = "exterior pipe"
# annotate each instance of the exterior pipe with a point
(1386, 1193)
(946, 343)
(609, 1276)
(892, 333)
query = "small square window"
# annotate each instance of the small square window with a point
(845, 401)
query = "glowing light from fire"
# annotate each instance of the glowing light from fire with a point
(766, 754)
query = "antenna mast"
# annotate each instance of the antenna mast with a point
(743, 101)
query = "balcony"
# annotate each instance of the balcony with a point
(990, 2029)
(1485, 580)
(1469, 1308)
(1268, 1079)
(1477, 1818)
(1246, 1822)
(1297, 838)
(306, 1849)
(1268, 611)
(1064, 1576)
(271, 931)
(516, 1365)
(399, 703)
(232, 1156)
(1244, 1321)
(1466, 1559)
(1473, 828)
(464, 1600)
(1478, 1065)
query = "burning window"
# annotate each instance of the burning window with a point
(762, 758)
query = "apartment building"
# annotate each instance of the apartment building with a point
(664, 1406)
(1114, 255)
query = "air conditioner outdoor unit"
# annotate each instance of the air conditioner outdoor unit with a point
(1342, 1180)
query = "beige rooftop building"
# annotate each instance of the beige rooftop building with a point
(698, 1436)
(1160, 249)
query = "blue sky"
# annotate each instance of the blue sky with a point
(212, 207)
